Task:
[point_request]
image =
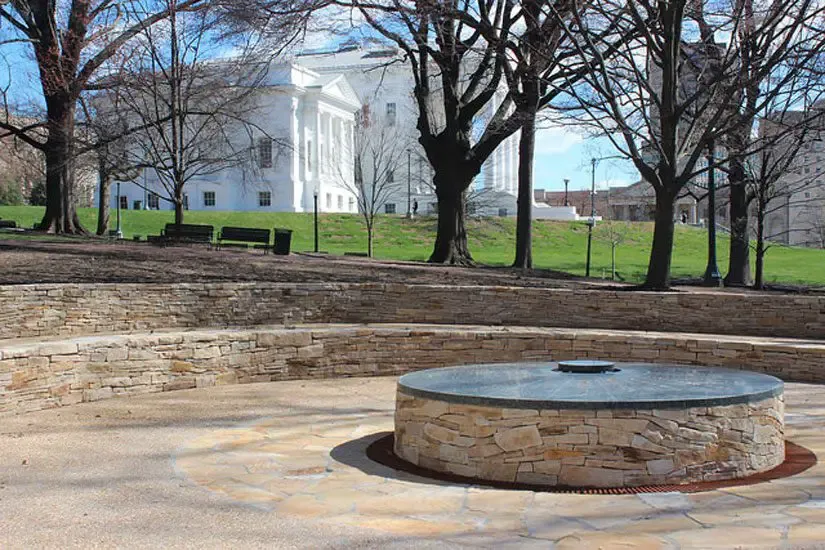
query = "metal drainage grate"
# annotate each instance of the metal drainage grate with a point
(797, 460)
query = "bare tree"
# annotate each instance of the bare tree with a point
(666, 96)
(22, 168)
(543, 65)
(184, 112)
(379, 154)
(72, 41)
(773, 67)
(457, 71)
(779, 179)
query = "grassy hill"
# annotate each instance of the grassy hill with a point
(556, 245)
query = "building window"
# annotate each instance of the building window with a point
(390, 176)
(185, 201)
(209, 198)
(264, 198)
(124, 202)
(329, 201)
(340, 202)
(807, 194)
(389, 208)
(136, 205)
(502, 212)
(391, 114)
(153, 200)
(264, 152)
(351, 204)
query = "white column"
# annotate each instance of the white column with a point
(295, 171)
(316, 162)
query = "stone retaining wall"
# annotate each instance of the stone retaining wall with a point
(590, 448)
(37, 375)
(76, 309)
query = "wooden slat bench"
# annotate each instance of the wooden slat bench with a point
(183, 234)
(243, 235)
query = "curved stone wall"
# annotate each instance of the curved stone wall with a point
(36, 375)
(590, 448)
(76, 309)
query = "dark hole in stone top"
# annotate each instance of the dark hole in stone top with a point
(587, 366)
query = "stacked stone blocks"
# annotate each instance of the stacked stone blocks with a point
(590, 448)
(36, 375)
(80, 309)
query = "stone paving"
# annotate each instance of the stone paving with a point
(317, 469)
(282, 465)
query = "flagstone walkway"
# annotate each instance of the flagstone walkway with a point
(283, 465)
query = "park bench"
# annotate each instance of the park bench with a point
(183, 234)
(243, 235)
(8, 224)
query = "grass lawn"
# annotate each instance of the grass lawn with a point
(556, 245)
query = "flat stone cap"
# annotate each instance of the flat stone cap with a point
(629, 386)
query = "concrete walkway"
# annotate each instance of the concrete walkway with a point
(281, 465)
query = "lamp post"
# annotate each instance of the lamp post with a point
(315, 211)
(409, 189)
(712, 275)
(118, 231)
(566, 202)
(592, 220)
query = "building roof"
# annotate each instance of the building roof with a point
(352, 54)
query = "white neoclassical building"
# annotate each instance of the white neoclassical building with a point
(384, 84)
(313, 117)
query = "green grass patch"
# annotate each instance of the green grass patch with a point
(556, 245)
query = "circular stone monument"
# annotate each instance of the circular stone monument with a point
(577, 424)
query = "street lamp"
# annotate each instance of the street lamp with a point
(592, 220)
(315, 211)
(566, 202)
(118, 231)
(712, 275)
(409, 190)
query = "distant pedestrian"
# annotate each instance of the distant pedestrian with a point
(684, 217)
(415, 207)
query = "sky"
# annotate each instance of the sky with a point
(560, 152)
(563, 153)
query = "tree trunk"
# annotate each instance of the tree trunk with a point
(739, 262)
(658, 269)
(451, 239)
(524, 215)
(61, 213)
(369, 240)
(178, 204)
(105, 198)
(758, 281)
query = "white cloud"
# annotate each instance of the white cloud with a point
(554, 140)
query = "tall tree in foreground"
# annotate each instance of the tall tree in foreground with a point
(457, 72)
(72, 41)
(776, 68)
(667, 95)
(543, 64)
